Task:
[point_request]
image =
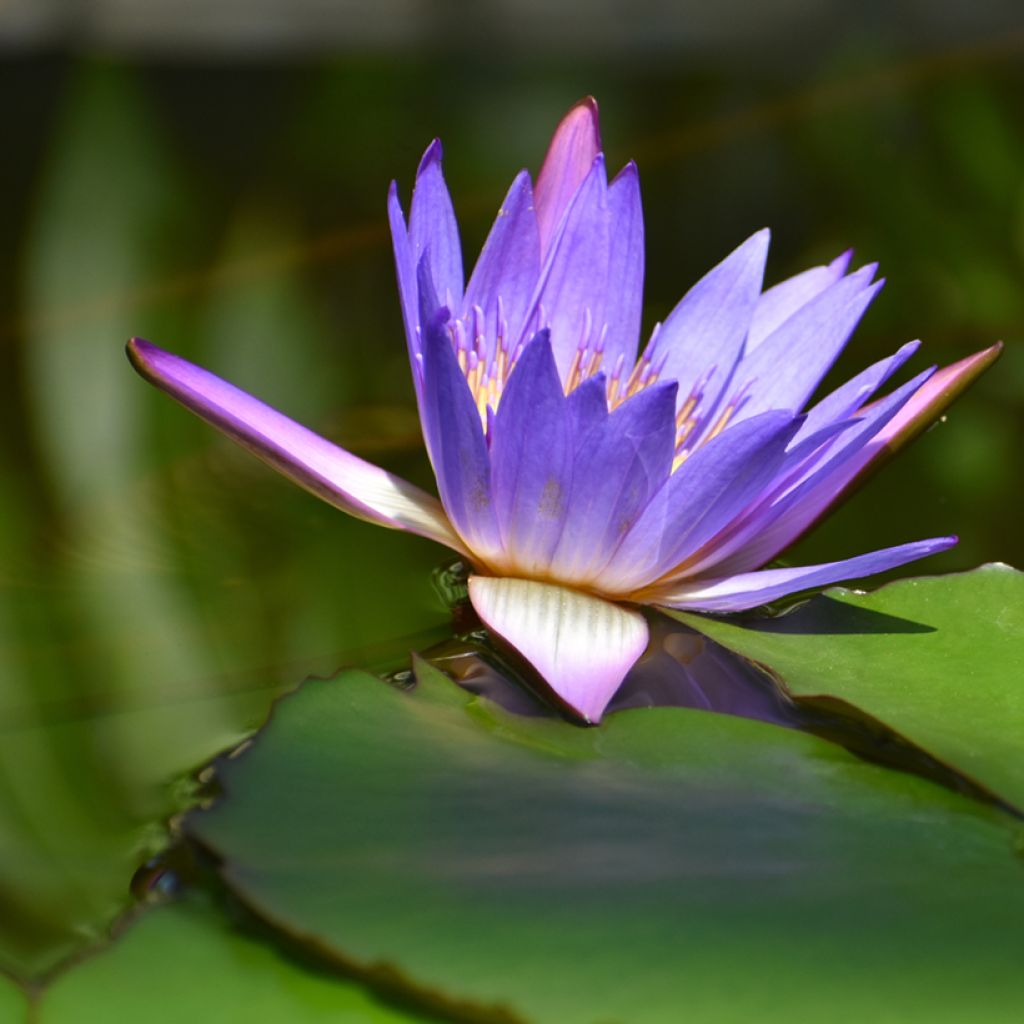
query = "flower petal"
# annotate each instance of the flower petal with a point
(886, 426)
(571, 154)
(849, 397)
(707, 328)
(784, 370)
(573, 287)
(778, 303)
(748, 590)
(434, 230)
(927, 403)
(701, 498)
(588, 408)
(785, 513)
(531, 456)
(455, 440)
(625, 268)
(405, 269)
(616, 469)
(506, 272)
(581, 646)
(340, 478)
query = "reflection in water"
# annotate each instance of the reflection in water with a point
(684, 669)
(681, 668)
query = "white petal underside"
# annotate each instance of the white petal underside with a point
(581, 645)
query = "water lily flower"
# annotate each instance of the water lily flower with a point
(578, 481)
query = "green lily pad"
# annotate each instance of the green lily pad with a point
(670, 865)
(183, 963)
(940, 660)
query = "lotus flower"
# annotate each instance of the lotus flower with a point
(579, 482)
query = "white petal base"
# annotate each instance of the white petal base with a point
(581, 645)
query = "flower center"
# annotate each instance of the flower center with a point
(487, 358)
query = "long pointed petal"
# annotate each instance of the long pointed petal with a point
(570, 155)
(773, 524)
(331, 473)
(709, 324)
(748, 590)
(405, 269)
(778, 303)
(581, 646)
(888, 424)
(927, 404)
(849, 397)
(625, 267)
(531, 459)
(509, 265)
(433, 228)
(783, 372)
(455, 439)
(573, 287)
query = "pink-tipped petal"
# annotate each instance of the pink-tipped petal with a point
(927, 404)
(573, 287)
(331, 473)
(571, 154)
(581, 645)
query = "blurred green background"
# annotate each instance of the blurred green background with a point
(158, 587)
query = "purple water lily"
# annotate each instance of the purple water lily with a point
(577, 480)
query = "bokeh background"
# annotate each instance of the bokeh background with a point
(212, 176)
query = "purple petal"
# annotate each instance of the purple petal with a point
(772, 525)
(917, 414)
(455, 441)
(588, 408)
(884, 428)
(571, 154)
(340, 478)
(622, 462)
(434, 230)
(780, 302)
(573, 286)
(509, 265)
(748, 590)
(850, 397)
(625, 268)
(405, 269)
(785, 369)
(702, 497)
(707, 328)
(581, 646)
(531, 456)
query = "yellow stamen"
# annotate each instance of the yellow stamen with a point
(572, 378)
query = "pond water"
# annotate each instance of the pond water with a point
(158, 587)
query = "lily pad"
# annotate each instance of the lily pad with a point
(183, 963)
(940, 660)
(670, 865)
